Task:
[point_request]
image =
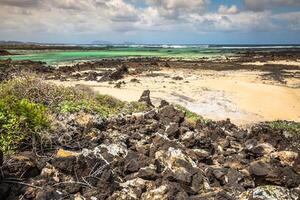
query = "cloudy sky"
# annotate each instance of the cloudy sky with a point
(151, 21)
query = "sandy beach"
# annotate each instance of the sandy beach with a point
(241, 95)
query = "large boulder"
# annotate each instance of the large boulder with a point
(145, 98)
(169, 113)
(116, 74)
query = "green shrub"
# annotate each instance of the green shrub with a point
(88, 106)
(290, 127)
(19, 120)
(38, 91)
(190, 116)
(66, 99)
(135, 107)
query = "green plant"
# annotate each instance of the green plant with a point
(88, 106)
(66, 99)
(19, 120)
(190, 116)
(38, 91)
(290, 127)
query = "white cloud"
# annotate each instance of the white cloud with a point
(108, 18)
(243, 21)
(177, 8)
(228, 10)
(258, 5)
(291, 20)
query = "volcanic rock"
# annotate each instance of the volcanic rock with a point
(262, 149)
(116, 74)
(168, 114)
(270, 192)
(154, 155)
(260, 167)
(145, 98)
(4, 53)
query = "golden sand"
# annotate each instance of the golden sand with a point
(239, 95)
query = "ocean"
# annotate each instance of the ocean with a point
(184, 52)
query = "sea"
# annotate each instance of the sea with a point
(115, 51)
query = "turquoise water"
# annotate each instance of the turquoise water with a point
(186, 52)
(57, 57)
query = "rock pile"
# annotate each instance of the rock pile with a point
(9, 68)
(155, 155)
(117, 74)
(4, 53)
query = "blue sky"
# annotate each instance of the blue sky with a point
(152, 21)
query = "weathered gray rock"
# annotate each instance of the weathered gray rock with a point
(270, 193)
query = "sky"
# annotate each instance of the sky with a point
(151, 21)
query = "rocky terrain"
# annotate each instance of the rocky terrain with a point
(103, 70)
(157, 154)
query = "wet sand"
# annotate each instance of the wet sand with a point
(241, 95)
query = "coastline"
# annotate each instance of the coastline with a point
(250, 86)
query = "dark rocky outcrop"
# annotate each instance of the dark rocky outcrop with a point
(155, 155)
(9, 68)
(4, 53)
(115, 75)
(145, 98)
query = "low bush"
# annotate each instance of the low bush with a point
(190, 116)
(36, 90)
(66, 99)
(19, 120)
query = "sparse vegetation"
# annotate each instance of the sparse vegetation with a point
(27, 102)
(190, 116)
(66, 99)
(20, 119)
(290, 127)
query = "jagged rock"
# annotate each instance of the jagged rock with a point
(269, 193)
(119, 72)
(260, 167)
(116, 74)
(145, 98)
(148, 173)
(23, 165)
(92, 76)
(132, 189)
(179, 167)
(270, 170)
(262, 149)
(172, 130)
(160, 193)
(152, 155)
(163, 103)
(168, 114)
(286, 157)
